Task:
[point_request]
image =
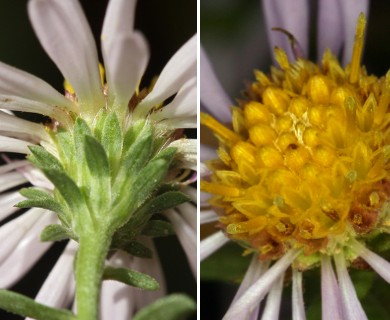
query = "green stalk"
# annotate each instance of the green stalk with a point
(89, 273)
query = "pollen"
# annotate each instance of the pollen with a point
(310, 157)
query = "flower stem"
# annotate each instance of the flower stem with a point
(89, 271)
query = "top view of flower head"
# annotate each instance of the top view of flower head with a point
(295, 170)
(98, 173)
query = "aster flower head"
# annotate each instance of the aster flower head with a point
(302, 175)
(113, 156)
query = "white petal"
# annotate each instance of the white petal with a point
(380, 265)
(126, 56)
(65, 35)
(187, 151)
(188, 212)
(58, 289)
(26, 254)
(12, 232)
(15, 103)
(255, 294)
(7, 203)
(211, 244)
(293, 16)
(186, 235)
(191, 192)
(181, 122)
(12, 124)
(212, 96)
(16, 82)
(329, 25)
(183, 105)
(13, 165)
(350, 13)
(352, 308)
(36, 177)
(272, 306)
(10, 180)
(207, 216)
(13, 145)
(117, 298)
(119, 18)
(179, 69)
(297, 297)
(330, 292)
(255, 270)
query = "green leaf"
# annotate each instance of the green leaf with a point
(55, 232)
(172, 307)
(27, 307)
(66, 150)
(158, 228)
(132, 133)
(81, 129)
(40, 199)
(165, 201)
(112, 139)
(132, 161)
(147, 181)
(72, 195)
(132, 247)
(100, 179)
(166, 154)
(44, 159)
(96, 157)
(138, 153)
(132, 278)
(100, 119)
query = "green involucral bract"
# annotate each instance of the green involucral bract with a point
(105, 175)
(111, 179)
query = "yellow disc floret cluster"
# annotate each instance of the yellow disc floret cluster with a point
(305, 162)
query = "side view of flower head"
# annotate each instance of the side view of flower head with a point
(110, 172)
(301, 175)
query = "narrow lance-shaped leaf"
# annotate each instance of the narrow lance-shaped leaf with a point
(55, 232)
(39, 199)
(154, 205)
(132, 161)
(44, 159)
(131, 278)
(112, 139)
(66, 150)
(27, 307)
(132, 134)
(172, 307)
(132, 247)
(81, 129)
(100, 178)
(158, 228)
(72, 195)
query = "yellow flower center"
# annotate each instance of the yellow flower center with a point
(305, 162)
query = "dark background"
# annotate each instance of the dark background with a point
(167, 25)
(234, 36)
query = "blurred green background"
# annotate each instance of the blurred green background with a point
(234, 36)
(167, 25)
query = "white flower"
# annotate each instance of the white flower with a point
(65, 35)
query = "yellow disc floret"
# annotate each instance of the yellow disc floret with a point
(305, 162)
